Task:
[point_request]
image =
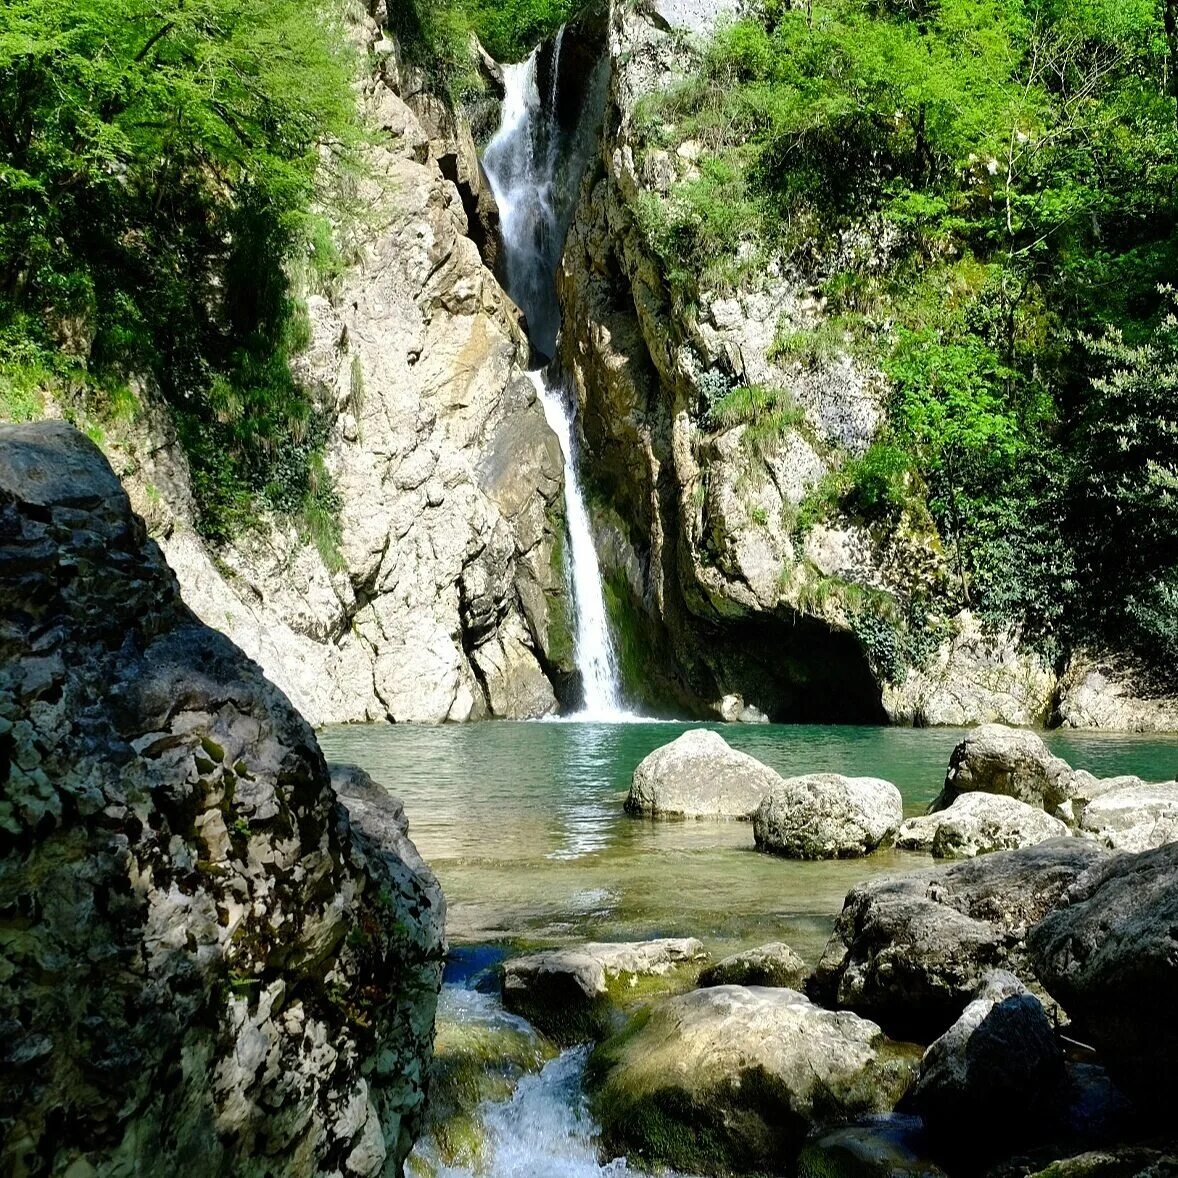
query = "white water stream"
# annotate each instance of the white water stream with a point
(531, 164)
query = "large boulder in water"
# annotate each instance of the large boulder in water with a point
(1012, 761)
(977, 824)
(828, 816)
(731, 1079)
(1129, 814)
(211, 964)
(995, 1079)
(699, 776)
(1109, 956)
(775, 964)
(910, 951)
(567, 992)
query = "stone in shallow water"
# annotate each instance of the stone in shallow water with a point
(875, 1147)
(828, 816)
(567, 992)
(699, 776)
(730, 1079)
(775, 964)
(977, 824)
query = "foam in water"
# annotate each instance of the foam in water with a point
(523, 162)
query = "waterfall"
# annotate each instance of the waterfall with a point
(535, 169)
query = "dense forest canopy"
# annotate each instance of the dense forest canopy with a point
(1013, 163)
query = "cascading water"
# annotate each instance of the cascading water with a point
(532, 164)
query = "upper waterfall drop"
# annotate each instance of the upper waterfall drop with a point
(534, 168)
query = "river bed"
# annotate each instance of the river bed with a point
(524, 825)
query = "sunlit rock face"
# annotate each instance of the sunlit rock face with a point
(212, 963)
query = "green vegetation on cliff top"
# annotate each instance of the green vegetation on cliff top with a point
(158, 171)
(982, 194)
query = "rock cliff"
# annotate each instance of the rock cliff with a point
(449, 600)
(699, 517)
(211, 962)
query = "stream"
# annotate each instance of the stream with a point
(523, 823)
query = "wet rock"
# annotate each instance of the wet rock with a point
(731, 1079)
(1012, 761)
(828, 816)
(570, 994)
(978, 823)
(995, 1080)
(221, 966)
(699, 776)
(874, 1147)
(1109, 956)
(775, 964)
(910, 951)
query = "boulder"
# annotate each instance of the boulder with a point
(699, 776)
(874, 1147)
(828, 816)
(910, 951)
(219, 965)
(775, 964)
(1130, 1161)
(1128, 814)
(567, 992)
(995, 1079)
(730, 1079)
(978, 823)
(1109, 957)
(1012, 761)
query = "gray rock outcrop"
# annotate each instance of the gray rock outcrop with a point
(566, 992)
(1012, 761)
(978, 823)
(1129, 814)
(828, 816)
(910, 951)
(994, 1081)
(775, 964)
(1109, 956)
(698, 775)
(730, 1079)
(217, 965)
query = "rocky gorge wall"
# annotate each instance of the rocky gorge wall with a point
(697, 519)
(449, 600)
(216, 956)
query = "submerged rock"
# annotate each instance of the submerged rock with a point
(1109, 957)
(775, 964)
(217, 966)
(699, 776)
(910, 951)
(828, 816)
(567, 992)
(978, 823)
(875, 1147)
(730, 1079)
(1012, 761)
(995, 1079)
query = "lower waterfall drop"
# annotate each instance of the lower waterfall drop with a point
(596, 657)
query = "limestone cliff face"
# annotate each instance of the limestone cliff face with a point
(709, 556)
(450, 601)
(212, 961)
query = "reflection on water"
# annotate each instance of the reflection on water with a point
(524, 825)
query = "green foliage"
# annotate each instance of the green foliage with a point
(768, 413)
(509, 29)
(158, 173)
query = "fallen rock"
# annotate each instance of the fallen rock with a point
(828, 816)
(977, 824)
(994, 1081)
(1012, 761)
(567, 992)
(775, 964)
(910, 951)
(1109, 956)
(699, 776)
(730, 1079)
(875, 1147)
(218, 966)
(1128, 814)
